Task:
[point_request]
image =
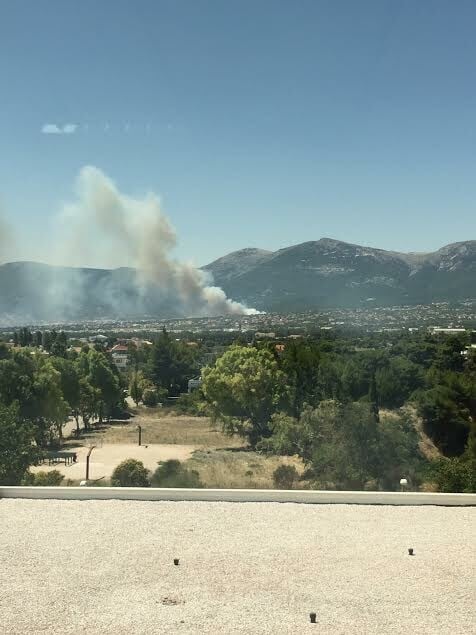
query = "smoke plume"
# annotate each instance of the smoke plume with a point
(5, 238)
(134, 231)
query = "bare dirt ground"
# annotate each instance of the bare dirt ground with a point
(106, 567)
(104, 459)
(165, 435)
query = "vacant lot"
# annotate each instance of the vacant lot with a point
(104, 459)
(242, 470)
(107, 567)
(164, 426)
(220, 460)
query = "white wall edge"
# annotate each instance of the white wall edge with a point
(238, 495)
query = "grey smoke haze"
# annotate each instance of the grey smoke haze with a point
(134, 232)
(6, 237)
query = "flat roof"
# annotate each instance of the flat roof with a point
(106, 566)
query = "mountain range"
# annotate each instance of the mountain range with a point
(331, 273)
(325, 273)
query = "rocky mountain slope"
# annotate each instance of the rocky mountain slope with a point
(331, 273)
(317, 274)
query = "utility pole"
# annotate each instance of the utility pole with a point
(139, 428)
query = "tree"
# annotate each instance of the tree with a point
(344, 446)
(70, 386)
(25, 337)
(33, 383)
(103, 379)
(53, 409)
(396, 381)
(453, 475)
(88, 402)
(47, 340)
(37, 339)
(130, 473)
(244, 388)
(171, 364)
(59, 345)
(445, 417)
(374, 399)
(300, 363)
(17, 448)
(137, 384)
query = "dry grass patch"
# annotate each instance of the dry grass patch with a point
(239, 470)
(163, 426)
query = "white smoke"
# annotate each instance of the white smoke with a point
(125, 230)
(6, 238)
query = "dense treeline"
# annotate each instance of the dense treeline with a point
(353, 406)
(43, 383)
(350, 408)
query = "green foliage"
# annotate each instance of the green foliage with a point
(445, 417)
(243, 389)
(285, 476)
(173, 474)
(171, 364)
(396, 381)
(454, 474)
(17, 448)
(344, 446)
(45, 478)
(103, 379)
(137, 384)
(287, 436)
(130, 473)
(300, 363)
(150, 397)
(191, 404)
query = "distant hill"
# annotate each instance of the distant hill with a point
(317, 274)
(331, 273)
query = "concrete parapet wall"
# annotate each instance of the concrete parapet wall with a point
(238, 495)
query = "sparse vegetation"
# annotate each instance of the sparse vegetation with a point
(174, 474)
(130, 473)
(44, 478)
(285, 477)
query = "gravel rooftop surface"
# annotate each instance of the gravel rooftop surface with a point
(103, 567)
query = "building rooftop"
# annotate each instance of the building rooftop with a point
(107, 567)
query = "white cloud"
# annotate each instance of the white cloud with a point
(52, 128)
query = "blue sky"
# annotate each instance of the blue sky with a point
(259, 123)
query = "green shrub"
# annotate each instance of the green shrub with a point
(44, 478)
(191, 404)
(285, 476)
(150, 397)
(454, 475)
(173, 474)
(130, 473)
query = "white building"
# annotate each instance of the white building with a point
(120, 356)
